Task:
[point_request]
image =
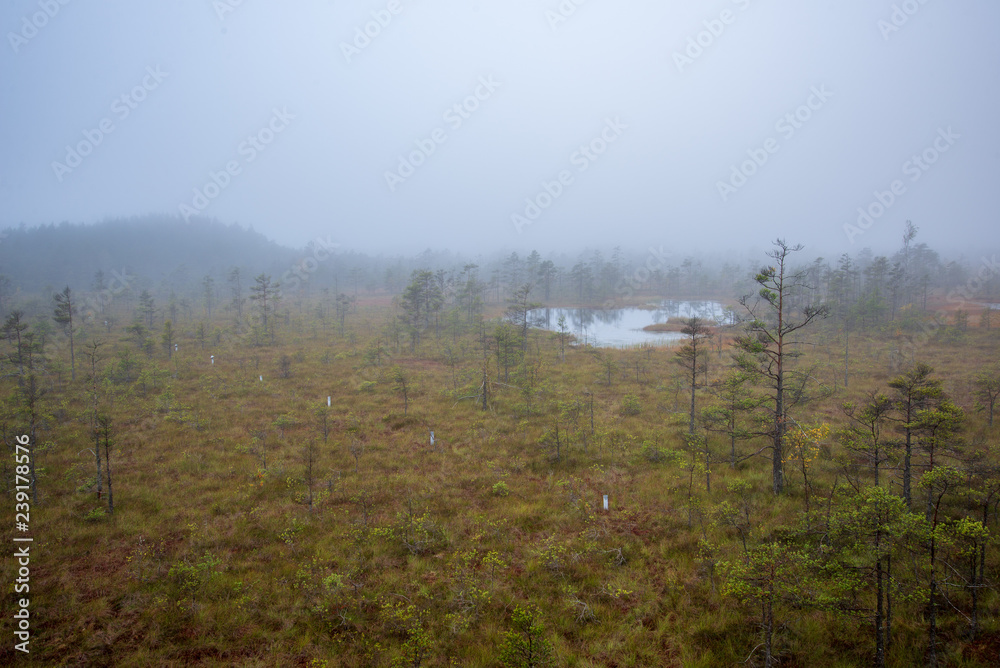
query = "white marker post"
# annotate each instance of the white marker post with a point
(432, 437)
(175, 347)
(328, 402)
(213, 358)
(262, 379)
(605, 501)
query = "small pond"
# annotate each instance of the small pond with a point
(623, 327)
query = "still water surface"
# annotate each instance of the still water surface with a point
(622, 327)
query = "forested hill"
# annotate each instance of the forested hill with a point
(155, 247)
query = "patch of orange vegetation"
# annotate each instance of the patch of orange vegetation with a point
(941, 304)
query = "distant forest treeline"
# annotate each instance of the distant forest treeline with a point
(194, 268)
(155, 248)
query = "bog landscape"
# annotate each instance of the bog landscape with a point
(561, 333)
(392, 465)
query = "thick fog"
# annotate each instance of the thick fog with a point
(397, 125)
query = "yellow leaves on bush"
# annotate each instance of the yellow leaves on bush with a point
(803, 442)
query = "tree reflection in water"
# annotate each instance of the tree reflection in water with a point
(623, 327)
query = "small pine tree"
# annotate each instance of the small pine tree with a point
(525, 645)
(168, 338)
(63, 315)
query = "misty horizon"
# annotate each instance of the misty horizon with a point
(397, 126)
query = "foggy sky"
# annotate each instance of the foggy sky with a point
(622, 121)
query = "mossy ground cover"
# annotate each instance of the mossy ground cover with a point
(490, 547)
